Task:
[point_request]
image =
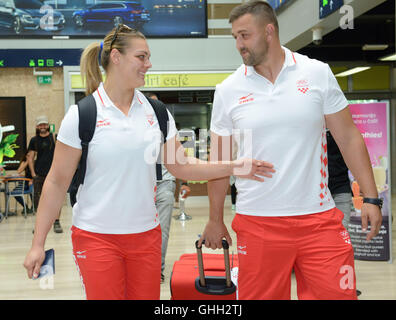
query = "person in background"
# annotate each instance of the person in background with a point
(41, 153)
(339, 184)
(282, 102)
(116, 233)
(233, 193)
(234, 190)
(24, 169)
(179, 182)
(164, 200)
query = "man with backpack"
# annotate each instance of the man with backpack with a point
(41, 152)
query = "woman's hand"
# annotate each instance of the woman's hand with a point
(252, 169)
(33, 261)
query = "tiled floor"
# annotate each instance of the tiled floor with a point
(376, 280)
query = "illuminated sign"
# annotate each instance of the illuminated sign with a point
(184, 80)
(169, 80)
(327, 7)
(44, 79)
(13, 121)
(21, 58)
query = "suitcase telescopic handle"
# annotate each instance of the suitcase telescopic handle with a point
(226, 263)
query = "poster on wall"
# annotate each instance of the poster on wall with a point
(12, 132)
(372, 119)
(95, 18)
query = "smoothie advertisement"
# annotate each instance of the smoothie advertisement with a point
(372, 119)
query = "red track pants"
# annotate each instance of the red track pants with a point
(119, 266)
(316, 246)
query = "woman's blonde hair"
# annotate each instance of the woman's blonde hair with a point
(118, 38)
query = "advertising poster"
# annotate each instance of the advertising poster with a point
(94, 18)
(372, 121)
(12, 132)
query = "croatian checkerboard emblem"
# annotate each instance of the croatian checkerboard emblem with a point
(302, 86)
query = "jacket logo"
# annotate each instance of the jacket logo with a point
(81, 254)
(150, 119)
(242, 250)
(302, 86)
(102, 123)
(246, 99)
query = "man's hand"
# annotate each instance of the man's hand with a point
(213, 234)
(253, 169)
(372, 213)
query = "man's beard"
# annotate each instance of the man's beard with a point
(249, 59)
(42, 131)
(253, 58)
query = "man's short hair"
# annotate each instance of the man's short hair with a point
(259, 9)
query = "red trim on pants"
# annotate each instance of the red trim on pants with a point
(316, 246)
(119, 266)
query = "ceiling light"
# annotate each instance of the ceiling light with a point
(351, 71)
(374, 47)
(391, 57)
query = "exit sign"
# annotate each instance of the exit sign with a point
(44, 79)
(327, 7)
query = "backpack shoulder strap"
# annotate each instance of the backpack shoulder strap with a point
(87, 118)
(86, 129)
(163, 118)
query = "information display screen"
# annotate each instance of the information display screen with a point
(94, 18)
(276, 4)
(327, 7)
(21, 58)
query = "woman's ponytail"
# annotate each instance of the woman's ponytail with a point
(90, 70)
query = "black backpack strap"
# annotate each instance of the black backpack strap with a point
(163, 119)
(86, 129)
(162, 116)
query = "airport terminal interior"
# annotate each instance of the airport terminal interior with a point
(192, 50)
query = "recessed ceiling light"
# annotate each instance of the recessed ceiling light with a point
(391, 57)
(351, 71)
(374, 47)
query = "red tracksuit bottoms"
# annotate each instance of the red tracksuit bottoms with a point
(316, 246)
(119, 266)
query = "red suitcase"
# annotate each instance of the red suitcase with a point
(203, 276)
